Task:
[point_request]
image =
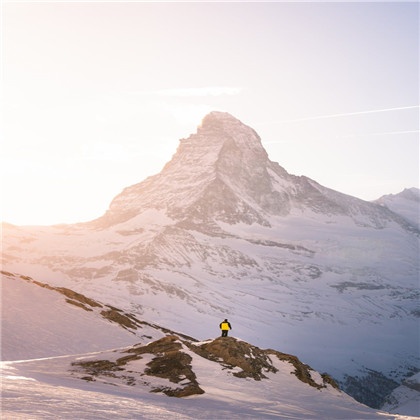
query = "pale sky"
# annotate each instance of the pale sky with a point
(97, 95)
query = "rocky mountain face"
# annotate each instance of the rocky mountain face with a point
(223, 173)
(222, 231)
(219, 173)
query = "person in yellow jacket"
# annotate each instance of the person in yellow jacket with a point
(225, 327)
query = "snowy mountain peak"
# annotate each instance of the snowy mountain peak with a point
(219, 117)
(220, 140)
(220, 172)
(223, 127)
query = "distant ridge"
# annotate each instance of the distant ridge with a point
(406, 203)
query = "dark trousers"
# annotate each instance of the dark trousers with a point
(224, 333)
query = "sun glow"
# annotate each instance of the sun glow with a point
(97, 95)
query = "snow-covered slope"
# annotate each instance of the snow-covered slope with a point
(51, 388)
(41, 321)
(406, 398)
(36, 323)
(224, 232)
(217, 378)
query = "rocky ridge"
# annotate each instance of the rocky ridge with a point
(169, 359)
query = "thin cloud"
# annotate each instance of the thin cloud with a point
(195, 92)
(203, 91)
(386, 133)
(380, 133)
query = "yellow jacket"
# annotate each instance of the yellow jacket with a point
(225, 326)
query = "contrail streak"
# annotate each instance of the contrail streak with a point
(382, 133)
(385, 133)
(348, 114)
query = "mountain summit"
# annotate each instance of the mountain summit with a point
(214, 173)
(223, 173)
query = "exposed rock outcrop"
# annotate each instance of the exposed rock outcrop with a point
(171, 360)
